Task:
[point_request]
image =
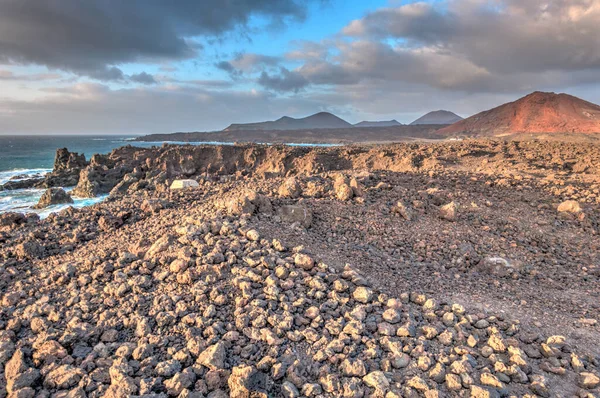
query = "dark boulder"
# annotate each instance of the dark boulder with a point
(53, 196)
(10, 219)
(30, 249)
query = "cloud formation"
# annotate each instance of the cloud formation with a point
(284, 81)
(394, 62)
(98, 109)
(94, 37)
(7, 75)
(143, 78)
(505, 38)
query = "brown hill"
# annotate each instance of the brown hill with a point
(535, 113)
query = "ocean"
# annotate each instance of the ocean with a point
(28, 156)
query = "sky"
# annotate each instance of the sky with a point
(154, 66)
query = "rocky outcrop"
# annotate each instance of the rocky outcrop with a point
(53, 196)
(65, 160)
(67, 166)
(99, 180)
(27, 183)
(11, 220)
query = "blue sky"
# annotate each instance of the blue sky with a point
(147, 66)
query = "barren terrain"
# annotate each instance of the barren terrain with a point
(451, 269)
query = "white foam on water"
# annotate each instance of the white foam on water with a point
(6, 176)
(22, 201)
(78, 203)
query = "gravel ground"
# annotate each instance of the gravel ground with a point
(470, 269)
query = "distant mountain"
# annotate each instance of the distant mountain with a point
(535, 113)
(383, 123)
(438, 117)
(321, 120)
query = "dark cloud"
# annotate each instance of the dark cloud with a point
(227, 67)
(93, 37)
(504, 36)
(463, 45)
(360, 61)
(247, 63)
(285, 81)
(107, 74)
(142, 78)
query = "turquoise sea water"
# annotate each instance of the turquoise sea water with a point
(29, 156)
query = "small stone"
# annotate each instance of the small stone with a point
(213, 357)
(344, 192)
(304, 261)
(245, 382)
(495, 341)
(448, 211)
(63, 377)
(488, 379)
(290, 188)
(482, 392)
(377, 380)
(353, 367)
(362, 294)
(392, 315)
(289, 390)
(588, 380)
(438, 373)
(569, 206)
(253, 235)
(482, 324)
(180, 382)
(417, 383)
(453, 382)
(168, 368)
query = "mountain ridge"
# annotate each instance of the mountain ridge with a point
(378, 123)
(438, 117)
(320, 120)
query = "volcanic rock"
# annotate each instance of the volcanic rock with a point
(53, 196)
(96, 180)
(65, 160)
